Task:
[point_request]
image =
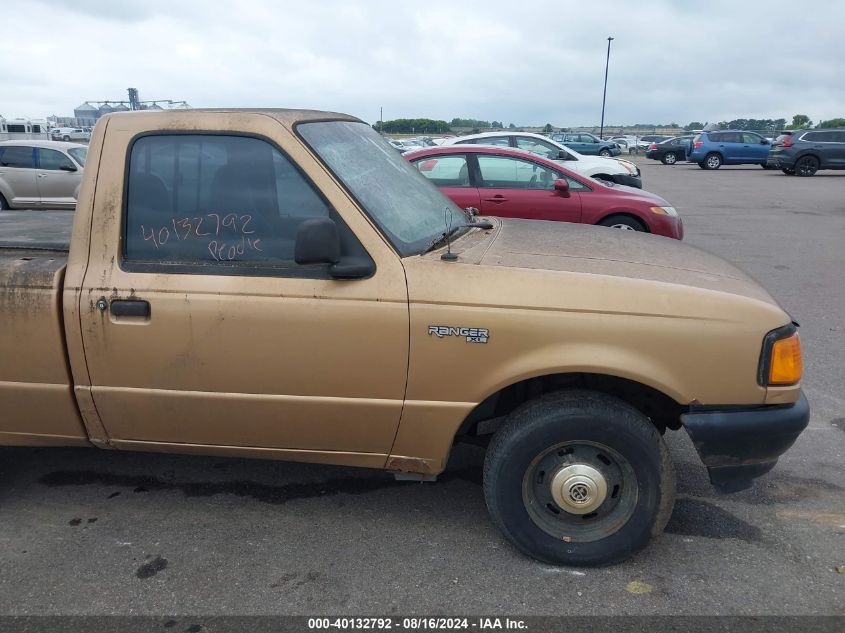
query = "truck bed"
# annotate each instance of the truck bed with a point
(36, 393)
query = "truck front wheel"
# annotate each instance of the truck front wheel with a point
(578, 478)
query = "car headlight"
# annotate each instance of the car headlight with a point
(665, 211)
(630, 167)
(780, 360)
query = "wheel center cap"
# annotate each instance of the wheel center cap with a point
(578, 488)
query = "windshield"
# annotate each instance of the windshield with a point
(408, 209)
(79, 154)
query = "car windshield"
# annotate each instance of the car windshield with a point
(406, 207)
(79, 154)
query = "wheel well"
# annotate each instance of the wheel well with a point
(487, 416)
(718, 153)
(626, 214)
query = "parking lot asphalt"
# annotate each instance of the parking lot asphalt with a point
(100, 532)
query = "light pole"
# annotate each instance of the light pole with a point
(604, 94)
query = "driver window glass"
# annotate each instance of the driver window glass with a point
(214, 200)
(53, 160)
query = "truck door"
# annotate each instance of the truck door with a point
(198, 326)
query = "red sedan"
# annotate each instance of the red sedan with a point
(512, 183)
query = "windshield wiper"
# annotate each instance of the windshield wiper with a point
(445, 235)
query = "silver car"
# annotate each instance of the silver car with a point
(40, 174)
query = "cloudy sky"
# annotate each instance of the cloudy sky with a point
(528, 62)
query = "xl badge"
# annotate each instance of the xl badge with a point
(472, 334)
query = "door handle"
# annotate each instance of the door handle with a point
(496, 199)
(130, 308)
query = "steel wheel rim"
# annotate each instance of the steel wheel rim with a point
(671, 159)
(580, 491)
(604, 153)
(713, 161)
(624, 227)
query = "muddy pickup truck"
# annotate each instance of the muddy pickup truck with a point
(282, 284)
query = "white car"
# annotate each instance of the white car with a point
(69, 134)
(620, 171)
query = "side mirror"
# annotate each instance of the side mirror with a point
(68, 168)
(764, 142)
(317, 242)
(562, 187)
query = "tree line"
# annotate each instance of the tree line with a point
(438, 126)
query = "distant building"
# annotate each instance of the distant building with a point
(86, 115)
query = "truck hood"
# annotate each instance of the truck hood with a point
(579, 248)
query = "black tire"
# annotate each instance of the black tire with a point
(625, 222)
(4, 206)
(606, 153)
(65, 138)
(806, 166)
(788, 171)
(579, 428)
(713, 160)
(669, 158)
(766, 166)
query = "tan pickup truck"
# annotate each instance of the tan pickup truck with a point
(283, 284)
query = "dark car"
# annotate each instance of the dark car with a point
(671, 150)
(804, 152)
(589, 144)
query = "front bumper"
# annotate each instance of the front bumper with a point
(628, 180)
(738, 444)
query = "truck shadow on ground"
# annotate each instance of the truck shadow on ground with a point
(698, 510)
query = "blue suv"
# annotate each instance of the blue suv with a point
(711, 150)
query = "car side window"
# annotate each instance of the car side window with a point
(450, 170)
(537, 146)
(502, 172)
(731, 137)
(53, 160)
(18, 157)
(215, 200)
(498, 141)
(751, 139)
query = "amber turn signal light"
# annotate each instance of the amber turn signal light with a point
(786, 366)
